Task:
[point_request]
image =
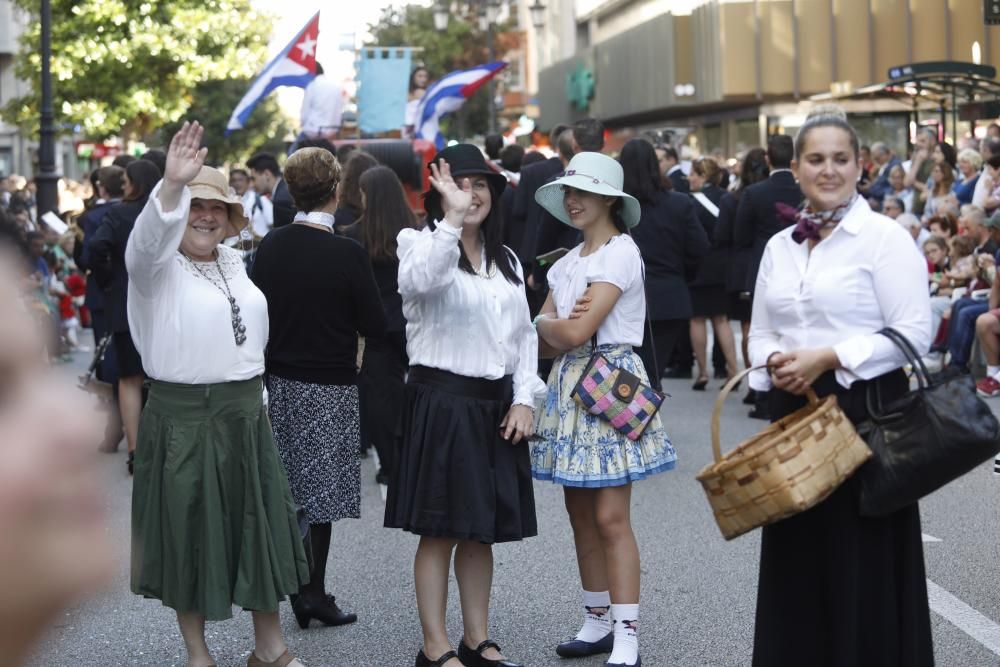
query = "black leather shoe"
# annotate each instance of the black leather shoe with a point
(757, 413)
(474, 658)
(424, 661)
(577, 648)
(324, 610)
(678, 374)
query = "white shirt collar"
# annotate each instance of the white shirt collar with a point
(782, 169)
(317, 218)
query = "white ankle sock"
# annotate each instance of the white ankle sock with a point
(993, 371)
(597, 616)
(626, 619)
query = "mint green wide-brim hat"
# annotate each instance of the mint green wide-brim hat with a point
(593, 172)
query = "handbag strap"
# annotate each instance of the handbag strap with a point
(910, 352)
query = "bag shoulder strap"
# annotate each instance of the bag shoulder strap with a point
(707, 203)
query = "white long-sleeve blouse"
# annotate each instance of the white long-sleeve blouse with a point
(181, 322)
(464, 323)
(865, 276)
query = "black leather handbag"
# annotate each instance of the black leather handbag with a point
(924, 439)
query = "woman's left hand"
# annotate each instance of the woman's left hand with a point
(519, 424)
(796, 370)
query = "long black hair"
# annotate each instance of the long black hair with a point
(386, 213)
(641, 171)
(491, 229)
(754, 169)
(143, 175)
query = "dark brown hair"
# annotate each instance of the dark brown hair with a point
(350, 188)
(825, 121)
(709, 169)
(386, 213)
(143, 176)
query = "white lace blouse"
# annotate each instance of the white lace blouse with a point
(180, 319)
(463, 323)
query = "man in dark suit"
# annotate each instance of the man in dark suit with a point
(586, 134)
(883, 157)
(267, 181)
(757, 219)
(670, 164)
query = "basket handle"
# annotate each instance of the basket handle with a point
(721, 400)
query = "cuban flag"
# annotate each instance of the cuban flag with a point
(294, 66)
(447, 95)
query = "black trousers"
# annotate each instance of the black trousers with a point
(383, 385)
(667, 334)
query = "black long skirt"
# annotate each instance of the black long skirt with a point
(456, 476)
(836, 588)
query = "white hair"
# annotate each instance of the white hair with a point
(908, 221)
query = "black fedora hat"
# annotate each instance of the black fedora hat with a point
(467, 160)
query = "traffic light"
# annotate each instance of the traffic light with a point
(991, 11)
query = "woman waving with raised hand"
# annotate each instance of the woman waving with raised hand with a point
(213, 522)
(463, 478)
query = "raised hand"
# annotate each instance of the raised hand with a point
(455, 201)
(185, 156)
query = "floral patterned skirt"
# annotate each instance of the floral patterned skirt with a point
(576, 448)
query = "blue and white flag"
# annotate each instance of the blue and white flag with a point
(294, 66)
(447, 95)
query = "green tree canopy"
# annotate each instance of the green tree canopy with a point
(212, 102)
(128, 67)
(460, 46)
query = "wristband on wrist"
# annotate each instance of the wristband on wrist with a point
(539, 318)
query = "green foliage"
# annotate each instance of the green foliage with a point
(212, 103)
(126, 67)
(460, 46)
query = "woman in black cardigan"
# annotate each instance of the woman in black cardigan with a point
(321, 295)
(708, 289)
(671, 239)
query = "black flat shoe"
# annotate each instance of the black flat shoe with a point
(700, 384)
(678, 374)
(424, 661)
(474, 658)
(325, 611)
(757, 413)
(577, 648)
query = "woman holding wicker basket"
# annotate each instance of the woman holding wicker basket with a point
(838, 588)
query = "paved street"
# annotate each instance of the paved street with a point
(697, 596)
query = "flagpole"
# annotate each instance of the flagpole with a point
(492, 83)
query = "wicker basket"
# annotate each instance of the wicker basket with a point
(785, 469)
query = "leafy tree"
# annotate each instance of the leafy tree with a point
(212, 103)
(460, 46)
(126, 67)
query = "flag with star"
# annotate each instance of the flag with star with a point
(294, 66)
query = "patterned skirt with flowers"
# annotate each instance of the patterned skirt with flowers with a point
(576, 448)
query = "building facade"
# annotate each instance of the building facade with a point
(728, 72)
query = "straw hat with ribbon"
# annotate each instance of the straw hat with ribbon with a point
(593, 172)
(212, 184)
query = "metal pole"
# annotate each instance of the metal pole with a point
(492, 82)
(47, 178)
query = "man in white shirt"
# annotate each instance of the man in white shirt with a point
(322, 107)
(259, 209)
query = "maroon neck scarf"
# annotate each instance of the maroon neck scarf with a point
(808, 222)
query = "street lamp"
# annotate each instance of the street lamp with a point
(47, 178)
(441, 12)
(537, 14)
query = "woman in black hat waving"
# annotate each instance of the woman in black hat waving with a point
(463, 481)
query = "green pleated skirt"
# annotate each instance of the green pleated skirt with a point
(213, 521)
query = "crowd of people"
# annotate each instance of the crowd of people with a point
(306, 314)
